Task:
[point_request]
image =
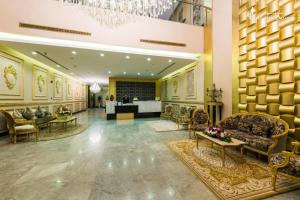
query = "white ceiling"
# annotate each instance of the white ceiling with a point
(91, 67)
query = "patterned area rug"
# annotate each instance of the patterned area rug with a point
(164, 126)
(58, 132)
(241, 178)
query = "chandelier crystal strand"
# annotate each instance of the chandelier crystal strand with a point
(118, 12)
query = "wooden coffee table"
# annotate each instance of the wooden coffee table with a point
(234, 143)
(63, 121)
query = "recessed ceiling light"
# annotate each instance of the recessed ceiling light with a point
(74, 52)
(170, 61)
(138, 73)
(152, 74)
(127, 57)
(149, 59)
(33, 53)
(124, 72)
(94, 46)
(102, 54)
(109, 72)
(58, 66)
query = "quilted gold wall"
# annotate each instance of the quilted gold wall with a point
(269, 64)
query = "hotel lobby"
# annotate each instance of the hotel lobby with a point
(149, 99)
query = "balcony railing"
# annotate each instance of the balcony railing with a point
(190, 12)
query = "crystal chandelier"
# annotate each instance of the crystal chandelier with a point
(95, 88)
(117, 12)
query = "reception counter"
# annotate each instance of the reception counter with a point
(137, 109)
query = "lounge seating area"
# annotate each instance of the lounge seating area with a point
(150, 99)
(30, 121)
(262, 133)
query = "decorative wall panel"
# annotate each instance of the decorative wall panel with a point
(141, 90)
(269, 79)
(11, 77)
(39, 83)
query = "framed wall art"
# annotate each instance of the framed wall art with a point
(58, 87)
(69, 86)
(77, 91)
(191, 86)
(82, 91)
(175, 87)
(11, 77)
(39, 83)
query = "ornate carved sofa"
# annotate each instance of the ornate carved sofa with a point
(285, 163)
(261, 132)
(199, 122)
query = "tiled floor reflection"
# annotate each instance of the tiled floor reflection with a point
(109, 161)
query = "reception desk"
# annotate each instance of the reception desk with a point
(137, 109)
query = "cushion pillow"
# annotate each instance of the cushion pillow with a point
(245, 124)
(39, 113)
(231, 122)
(28, 114)
(17, 115)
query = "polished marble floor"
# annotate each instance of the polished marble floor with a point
(109, 161)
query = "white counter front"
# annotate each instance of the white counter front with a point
(148, 106)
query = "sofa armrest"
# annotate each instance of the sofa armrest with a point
(286, 159)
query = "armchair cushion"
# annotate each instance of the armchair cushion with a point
(27, 127)
(200, 117)
(292, 168)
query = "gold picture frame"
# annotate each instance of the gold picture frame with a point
(39, 83)
(69, 89)
(190, 84)
(11, 77)
(58, 87)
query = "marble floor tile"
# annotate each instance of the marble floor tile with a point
(111, 160)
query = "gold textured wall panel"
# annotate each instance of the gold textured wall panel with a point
(270, 59)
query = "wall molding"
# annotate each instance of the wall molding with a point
(186, 102)
(40, 103)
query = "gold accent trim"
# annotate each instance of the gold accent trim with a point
(186, 102)
(163, 43)
(40, 103)
(53, 29)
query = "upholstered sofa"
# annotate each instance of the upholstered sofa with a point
(199, 122)
(261, 132)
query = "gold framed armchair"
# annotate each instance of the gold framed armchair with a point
(168, 112)
(199, 122)
(185, 116)
(20, 127)
(286, 164)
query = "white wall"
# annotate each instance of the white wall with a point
(222, 50)
(54, 14)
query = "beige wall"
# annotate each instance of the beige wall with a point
(222, 51)
(54, 14)
(76, 102)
